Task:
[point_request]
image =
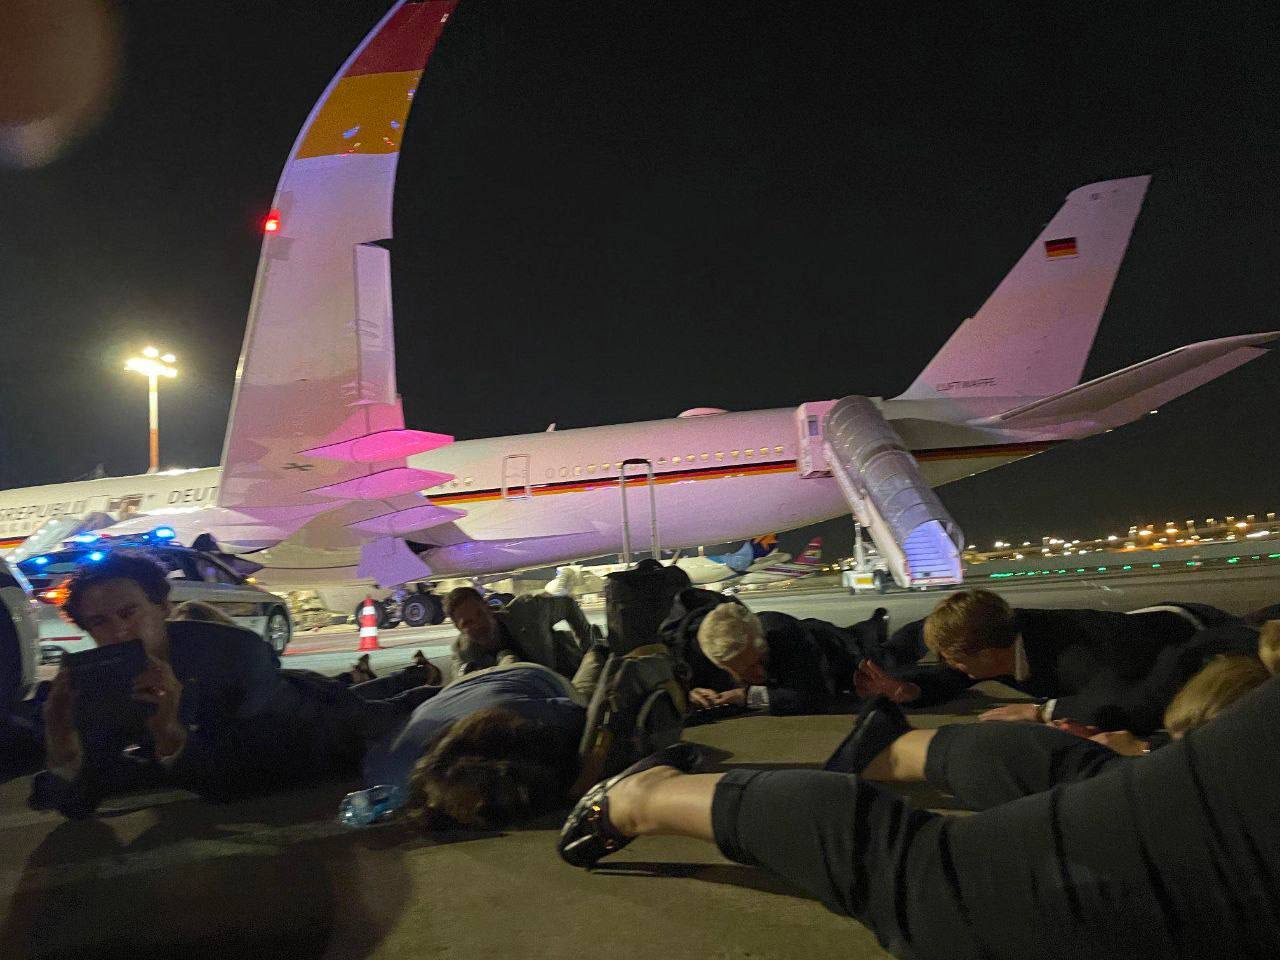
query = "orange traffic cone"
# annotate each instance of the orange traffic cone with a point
(368, 626)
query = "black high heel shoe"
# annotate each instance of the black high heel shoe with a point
(587, 834)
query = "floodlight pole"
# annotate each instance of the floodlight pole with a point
(153, 400)
(153, 366)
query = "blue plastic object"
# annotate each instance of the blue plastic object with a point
(364, 807)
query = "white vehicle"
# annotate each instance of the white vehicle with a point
(192, 574)
(322, 481)
(18, 635)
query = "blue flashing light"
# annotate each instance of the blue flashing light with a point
(84, 538)
(39, 561)
(164, 533)
(96, 556)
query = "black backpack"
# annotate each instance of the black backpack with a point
(638, 706)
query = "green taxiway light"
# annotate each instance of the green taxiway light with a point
(1102, 569)
(1233, 559)
(1155, 566)
(1079, 569)
(1273, 556)
(1127, 566)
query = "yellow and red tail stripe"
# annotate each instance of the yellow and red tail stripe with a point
(365, 111)
(8, 543)
(726, 471)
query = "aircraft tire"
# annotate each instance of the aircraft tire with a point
(422, 609)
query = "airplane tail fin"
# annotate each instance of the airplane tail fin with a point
(1033, 335)
(763, 546)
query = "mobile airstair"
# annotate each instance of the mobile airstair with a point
(851, 441)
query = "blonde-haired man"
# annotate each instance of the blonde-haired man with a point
(1115, 670)
(780, 664)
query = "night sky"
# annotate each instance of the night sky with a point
(612, 211)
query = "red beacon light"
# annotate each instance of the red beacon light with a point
(272, 223)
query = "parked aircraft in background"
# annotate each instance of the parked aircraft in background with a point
(323, 483)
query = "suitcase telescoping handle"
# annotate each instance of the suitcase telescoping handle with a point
(655, 546)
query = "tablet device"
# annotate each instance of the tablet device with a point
(106, 671)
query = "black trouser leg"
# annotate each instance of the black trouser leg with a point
(851, 844)
(384, 688)
(986, 764)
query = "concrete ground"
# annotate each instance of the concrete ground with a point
(169, 876)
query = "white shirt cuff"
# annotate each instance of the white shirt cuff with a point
(758, 698)
(1046, 710)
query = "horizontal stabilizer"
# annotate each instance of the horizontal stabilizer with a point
(1123, 396)
(402, 522)
(384, 483)
(380, 446)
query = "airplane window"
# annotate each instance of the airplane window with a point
(660, 460)
(777, 449)
(577, 471)
(719, 454)
(691, 458)
(733, 453)
(591, 468)
(705, 455)
(675, 459)
(564, 471)
(749, 453)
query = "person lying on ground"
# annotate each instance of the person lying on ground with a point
(1171, 856)
(522, 630)
(420, 672)
(983, 765)
(780, 664)
(494, 747)
(1105, 668)
(210, 709)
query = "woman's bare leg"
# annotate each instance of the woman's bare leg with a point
(664, 801)
(903, 760)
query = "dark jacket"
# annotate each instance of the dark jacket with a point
(810, 667)
(252, 727)
(528, 624)
(1112, 669)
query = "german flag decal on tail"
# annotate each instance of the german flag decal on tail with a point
(1066, 247)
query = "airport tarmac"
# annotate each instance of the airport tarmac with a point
(1235, 589)
(168, 876)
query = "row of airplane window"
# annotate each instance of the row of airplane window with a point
(591, 468)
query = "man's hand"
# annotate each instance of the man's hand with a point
(61, 740)
(1013, 711)
(870, 680)
(702, 698)
(1075, 728)
(159, 686)
(1121, 741)
(736, 697)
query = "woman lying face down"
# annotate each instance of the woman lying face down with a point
(489, 770)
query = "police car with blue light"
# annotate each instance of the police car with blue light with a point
(18, 633)
(207, 575)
